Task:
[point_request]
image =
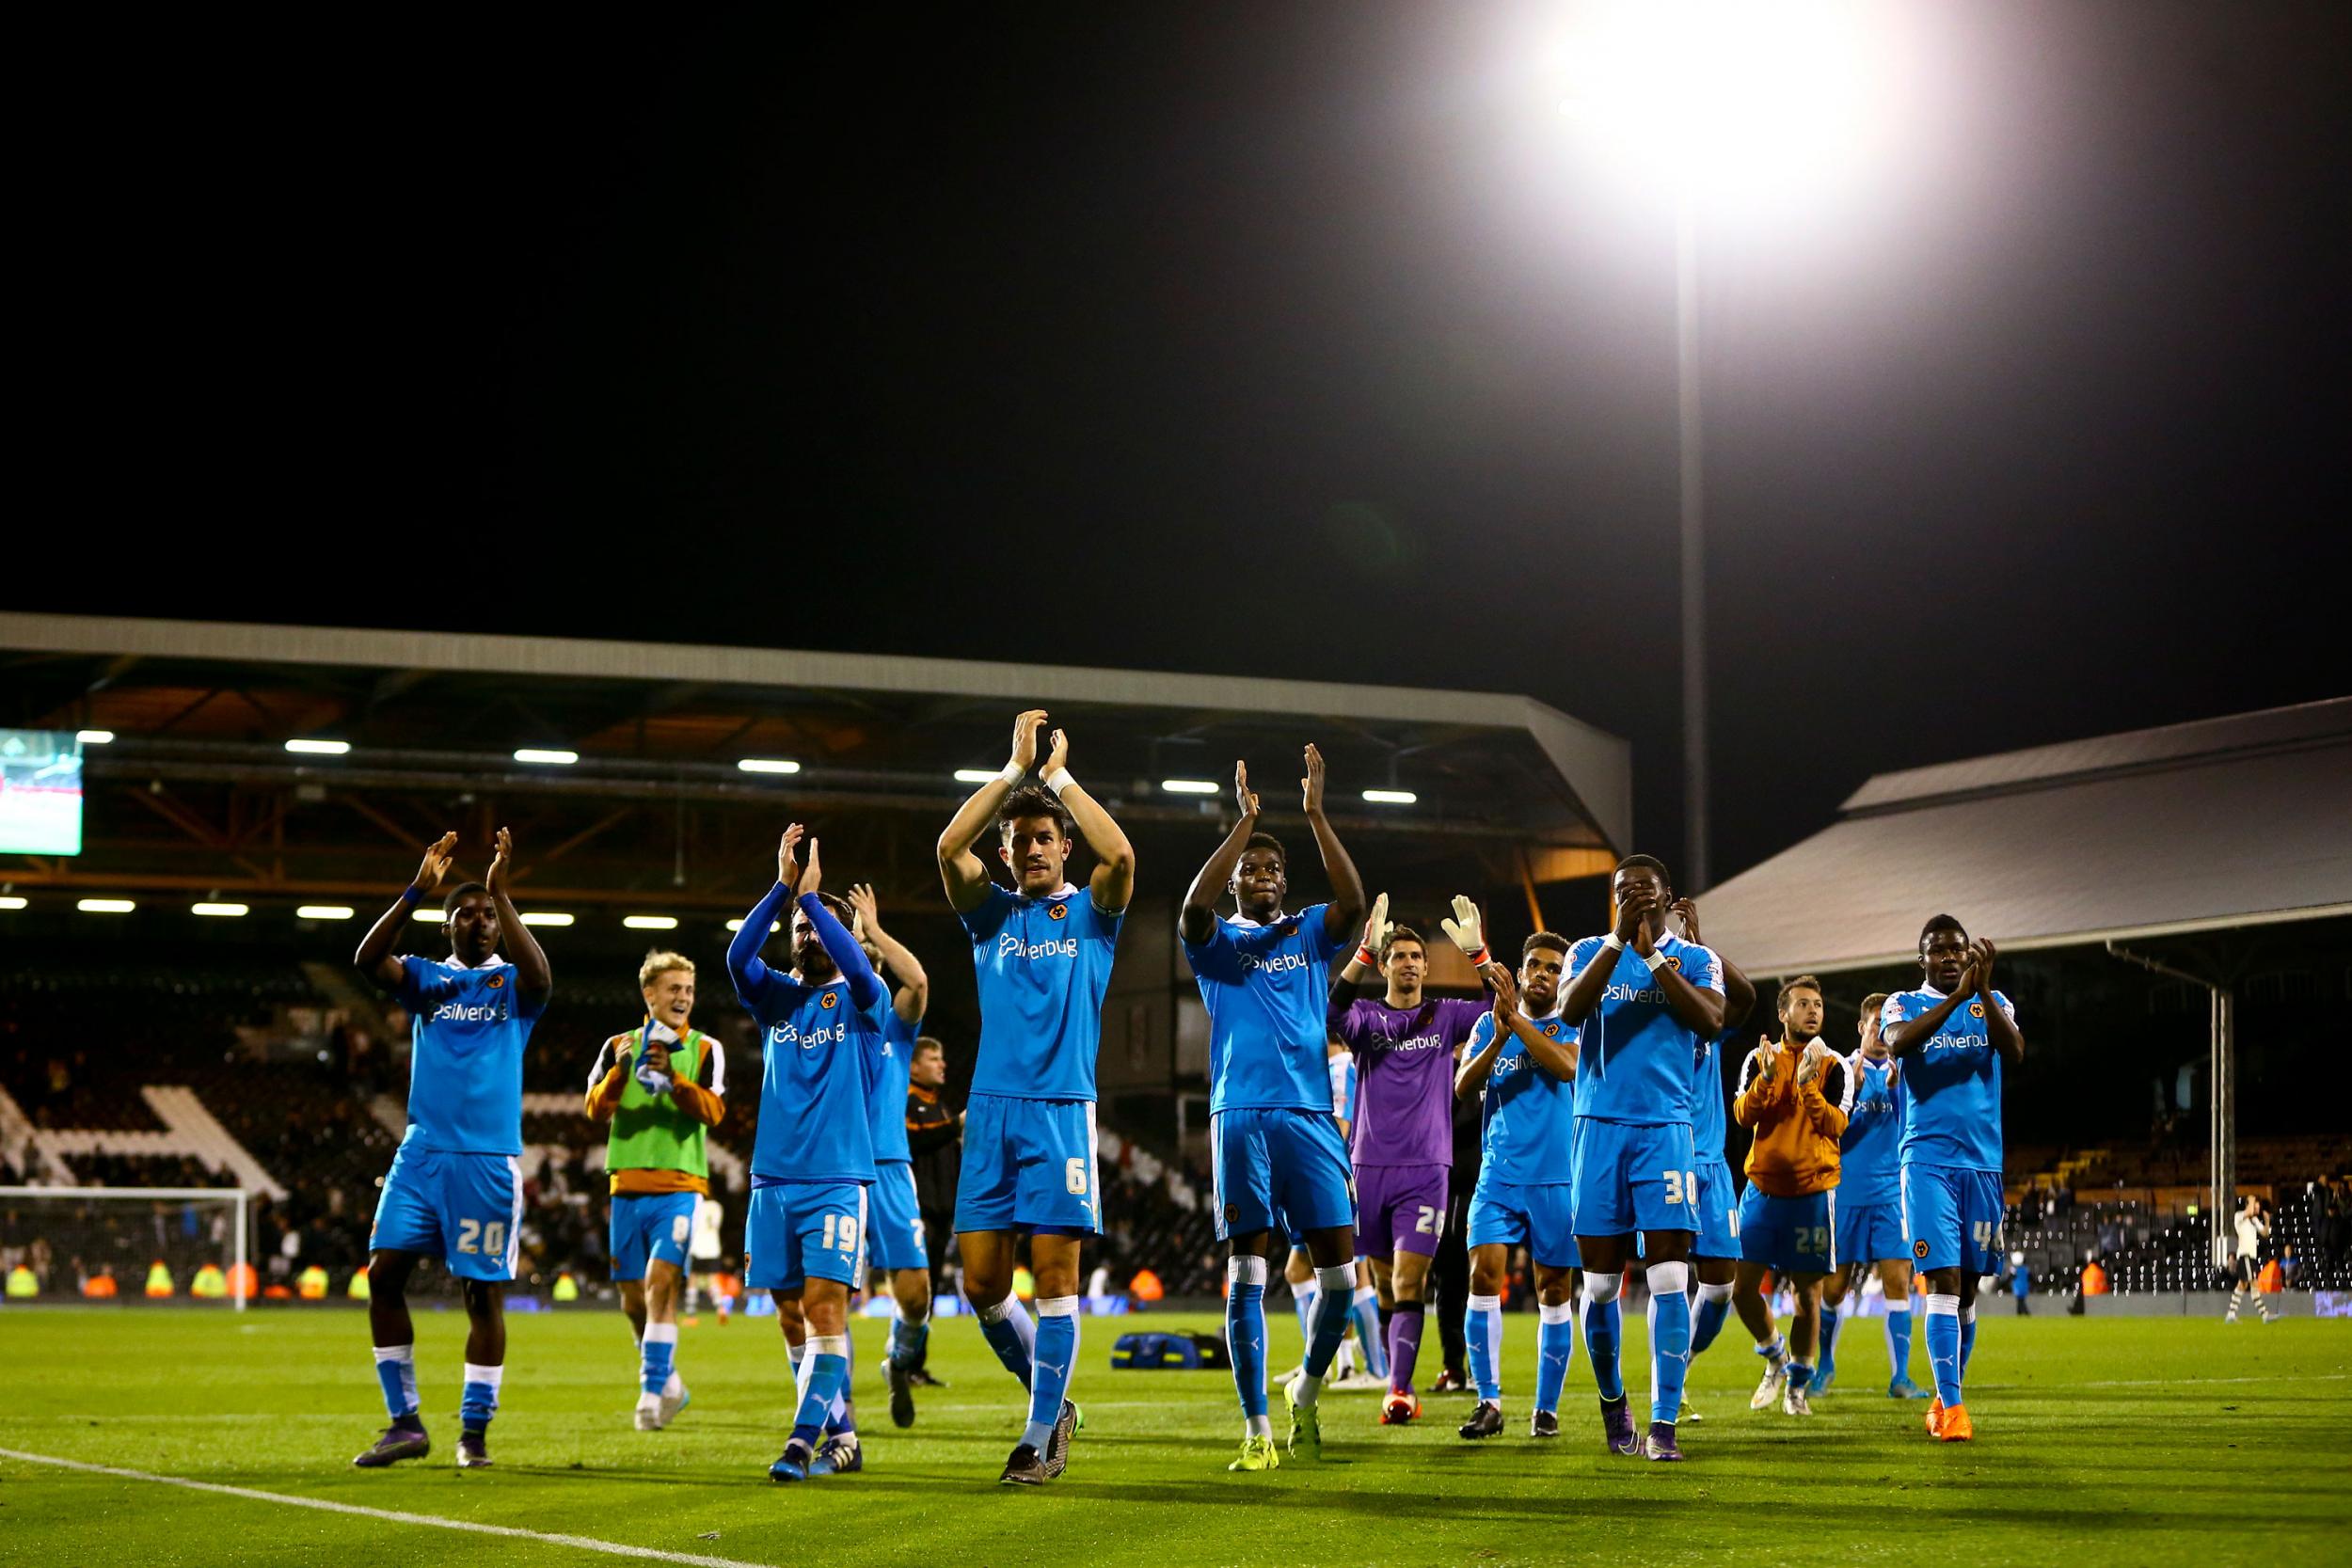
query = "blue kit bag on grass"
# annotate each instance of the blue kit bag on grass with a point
(1149, 1352)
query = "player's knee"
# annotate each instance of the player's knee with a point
(1670, 1277)
(1601, 1288)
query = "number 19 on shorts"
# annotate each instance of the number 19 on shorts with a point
(1682, 1186)
(840, 1233)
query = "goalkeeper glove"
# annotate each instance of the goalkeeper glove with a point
(1464, 928)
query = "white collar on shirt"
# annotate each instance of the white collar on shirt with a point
(493, 961)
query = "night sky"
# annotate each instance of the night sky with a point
(1292, 340)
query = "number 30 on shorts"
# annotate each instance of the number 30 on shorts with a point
(1682, 1186)
(482, 1236)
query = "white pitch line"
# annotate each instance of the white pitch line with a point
(2200, 1381)
(583, 1542)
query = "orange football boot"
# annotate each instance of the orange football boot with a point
(1956, 1427)
(1935, 1416)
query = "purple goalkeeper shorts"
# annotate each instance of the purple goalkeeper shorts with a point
(1399, 1209)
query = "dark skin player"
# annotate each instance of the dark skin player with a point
(474, 927)
(1643, 901)
(1258, 880)
(1962, 971)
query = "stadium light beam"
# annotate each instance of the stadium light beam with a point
(971, 775)
(319, 748)
(768, 765)
(1189, 786)
(650, 922)
(544, 754)
(226, 911)
(95, 737)
(547, 917)
(10, 901)
(773, 926)
(324, 911)
(1713, 103)
(1391, 796)
(104, 906)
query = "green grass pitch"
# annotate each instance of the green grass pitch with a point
(2121, 1440)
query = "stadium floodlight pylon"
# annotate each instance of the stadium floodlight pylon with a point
(69, 1220)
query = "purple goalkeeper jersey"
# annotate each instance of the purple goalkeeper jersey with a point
(1403, 1076)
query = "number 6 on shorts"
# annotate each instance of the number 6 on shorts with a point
(1074, 1174)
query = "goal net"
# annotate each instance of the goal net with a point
(158, 1244)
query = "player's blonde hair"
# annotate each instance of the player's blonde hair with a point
(660, 962)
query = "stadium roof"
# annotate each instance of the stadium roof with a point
(2225, 822)
(436, 717)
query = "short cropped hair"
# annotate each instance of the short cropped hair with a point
(840, 908)
(1650, 863)
(1032, 800)
(1940, 922)
(456, 896)
(659, 962)
(1401, 933)
(1873, 1002)
(1551, 941)
(929, 1043)
(1267, 841)
(1802, 982)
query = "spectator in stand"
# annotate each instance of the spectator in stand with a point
(2337, 1229)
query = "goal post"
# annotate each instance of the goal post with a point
(57, 1243)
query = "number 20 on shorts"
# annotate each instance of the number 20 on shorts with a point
(483, 1236)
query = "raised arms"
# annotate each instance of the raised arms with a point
(375, 958)
(915, 987)
(533, 980)
(1196, 920)
(1347, 884)
(963, 873)
(865, 987)
(746, 967)
(1113, 882)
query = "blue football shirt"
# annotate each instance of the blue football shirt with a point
(1265, 988)
(465, 1062)
(1871, 1151)
(1528, 1116)
(1042, 965)
(821, 1055)
(889, 1095)
(1637, 1061)
(1951, 1083)
(1708, 1131)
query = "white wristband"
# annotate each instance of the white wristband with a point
(1657, 961)
(1012, 772)
(1611, 944)
(1059, 780)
